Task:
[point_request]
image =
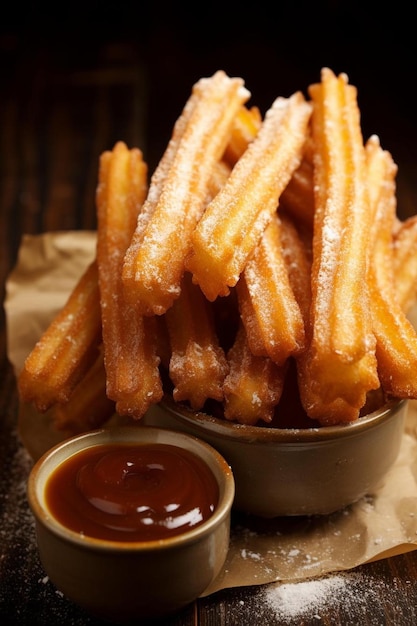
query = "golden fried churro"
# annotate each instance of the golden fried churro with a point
(219, 175)
(298, 197)
(121, 192)
(198, 364)
(88, 406)
(245, 127)
(254, 385)
(234, 221)
(270, 312)
(66, 349)
(297, 256)
(147, 389)
(154, 262)
(405, 262)
(396, 346)
(339, 367)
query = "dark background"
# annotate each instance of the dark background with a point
(277, 48)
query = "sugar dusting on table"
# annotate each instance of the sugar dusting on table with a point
(26, 594)
(354, 591)
(310, 596)
(16, 517)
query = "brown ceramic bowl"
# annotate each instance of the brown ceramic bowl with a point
(297, 471)
(128, 580)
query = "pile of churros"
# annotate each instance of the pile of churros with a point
(261, 244)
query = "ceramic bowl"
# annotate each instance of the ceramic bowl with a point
(297, 471)
(127, 580)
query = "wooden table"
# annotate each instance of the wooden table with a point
(62, 103)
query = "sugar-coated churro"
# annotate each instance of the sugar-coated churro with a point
(298, 196)
(254, 385)
(198, 364)
(245, 127)
(270, 312)
(154, 262)
(88, 406)
(130, 355)
(396, 347)
(234, 221)
(66, 349)
(146, 389)
(405, 262)
(339, 367)
(296, 250)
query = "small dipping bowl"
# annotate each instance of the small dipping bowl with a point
(146, 577)
(297, 471)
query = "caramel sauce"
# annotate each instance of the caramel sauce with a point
(123, 492)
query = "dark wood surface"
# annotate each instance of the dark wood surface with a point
(72, 87)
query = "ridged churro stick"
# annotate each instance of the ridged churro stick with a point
(298, 197)
(270, 312)
(254, 385)
(405, 262)
(154, 262)
(219, 175)
(245, 127)
(88, 406)
(66, 349)
(396, 347)
(198, 364)
(243, 131)
(234, 221)
(340, 365)
(130, 358)
(297, 257)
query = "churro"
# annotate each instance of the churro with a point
(405, 262)
(146, 389)
(198, 364)
(245, 127)
(270, 312)
(219, 175)
(234, 221)
(131, 361)
(66, 349)
(396, 346)
(254, 385)
(339, 367)
(88, 406)
(154, 262)
(243, 131)
(298, 196)
(296, 251)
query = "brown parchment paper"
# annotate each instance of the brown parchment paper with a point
(261, 551)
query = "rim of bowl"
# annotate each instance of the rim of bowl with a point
(120, 435)
(247, 433)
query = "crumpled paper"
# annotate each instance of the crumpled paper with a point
(261, 551)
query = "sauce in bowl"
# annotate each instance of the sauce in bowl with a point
(124, 492)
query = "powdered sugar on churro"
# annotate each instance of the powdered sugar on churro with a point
(233, 222)
(154, 261)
